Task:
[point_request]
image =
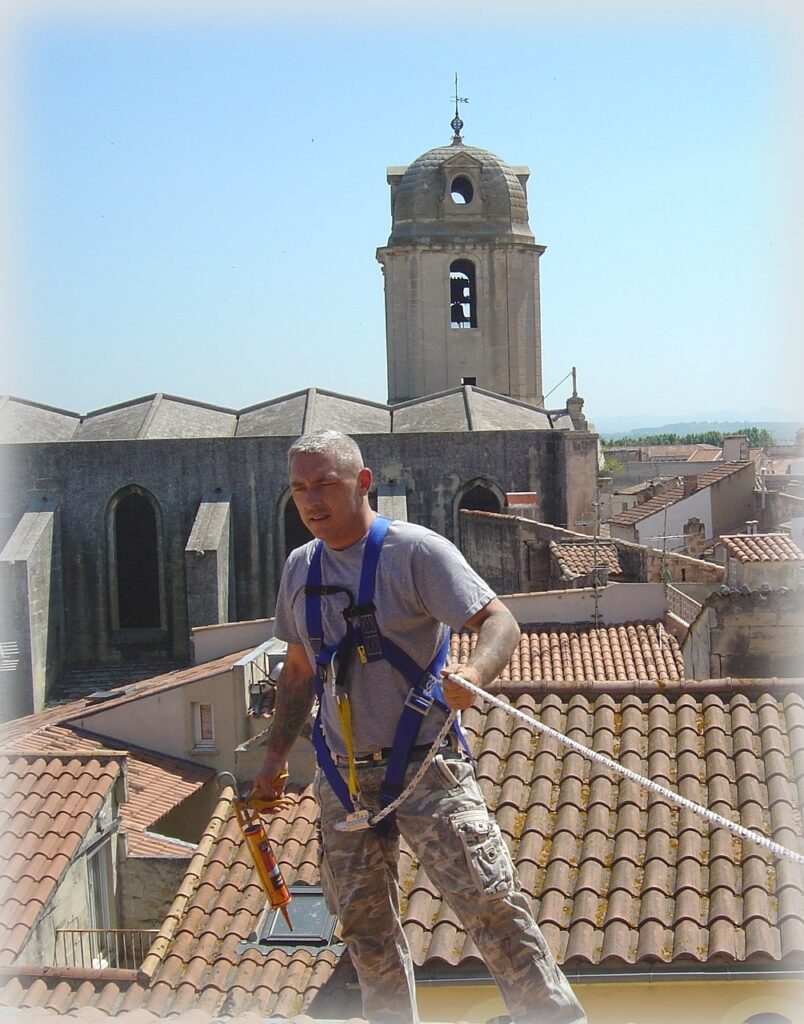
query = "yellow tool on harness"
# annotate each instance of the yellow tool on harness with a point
(345, 719)
(248, 811)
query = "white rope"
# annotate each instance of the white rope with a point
(654, 787)
(414, 782)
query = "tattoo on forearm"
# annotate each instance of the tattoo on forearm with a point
(496, 640)
(293, 705)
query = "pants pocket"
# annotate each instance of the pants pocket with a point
(441, 765)
(486, 854)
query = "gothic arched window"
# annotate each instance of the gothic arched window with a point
(477, 496)
(136, 561)
(480, 498)
(296, 533)
(462, 294)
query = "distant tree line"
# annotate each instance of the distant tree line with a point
(758, 437)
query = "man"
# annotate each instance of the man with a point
(358, 607)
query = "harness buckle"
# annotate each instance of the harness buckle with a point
(418, 700)
(354, 822)
(365, 623)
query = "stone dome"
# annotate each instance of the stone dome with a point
(423, 205)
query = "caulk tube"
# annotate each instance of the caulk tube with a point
(268, 869)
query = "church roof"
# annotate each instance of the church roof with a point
(21, 420)
(160, 416)
(467, 408)
(314, 409)
(157, 416)
(419, 190)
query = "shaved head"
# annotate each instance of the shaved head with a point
(341, 447)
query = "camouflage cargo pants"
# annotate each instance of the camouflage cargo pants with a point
(446, 824)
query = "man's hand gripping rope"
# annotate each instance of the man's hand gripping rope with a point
(649, 784)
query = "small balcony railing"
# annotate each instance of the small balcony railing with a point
(103, 947)
(682, 605)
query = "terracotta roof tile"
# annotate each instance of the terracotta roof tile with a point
(705, 453)
(34, 854)
(578, 558)
(624, 877)
(675, 493)
(156, 783)
(762, 547)
(617, 875)
(632, 651)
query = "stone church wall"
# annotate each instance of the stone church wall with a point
(82, 480)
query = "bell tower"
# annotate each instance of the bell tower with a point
(461, 274)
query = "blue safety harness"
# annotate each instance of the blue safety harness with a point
(363, 637)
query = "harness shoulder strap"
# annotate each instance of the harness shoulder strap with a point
(371, 559)
(315, 624)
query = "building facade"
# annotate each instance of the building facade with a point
(124, 528)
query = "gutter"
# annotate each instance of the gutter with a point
(649, 975)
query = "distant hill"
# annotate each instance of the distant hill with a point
(781, 431)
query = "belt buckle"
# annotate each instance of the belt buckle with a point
(375, 757)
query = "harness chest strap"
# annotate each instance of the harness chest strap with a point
(363, 635)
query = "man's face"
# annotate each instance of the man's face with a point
(330, 498)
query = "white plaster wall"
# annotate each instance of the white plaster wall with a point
(163, 720)
(617, 603)
(651, 530)
(211, 642)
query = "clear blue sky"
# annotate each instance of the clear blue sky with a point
(197, 201)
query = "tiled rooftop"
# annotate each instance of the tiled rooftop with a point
(47, 805)
(672, 452)
(194, 963)
(635, 514)
(633, 651)
(762, 547)
(156, 783)
(579, 558)
(705, 453)
(620, 876)
(675, 493)
(219, 906)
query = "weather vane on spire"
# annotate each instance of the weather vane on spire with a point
(456, 124)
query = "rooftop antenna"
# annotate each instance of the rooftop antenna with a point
(456, 123)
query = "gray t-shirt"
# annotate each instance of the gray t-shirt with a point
(424, 586)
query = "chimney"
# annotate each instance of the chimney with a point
(751, 527)
(600, 576)
(735, 448)
(690, 484)
(522, 503)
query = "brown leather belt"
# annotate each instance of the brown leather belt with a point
(378, 757)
